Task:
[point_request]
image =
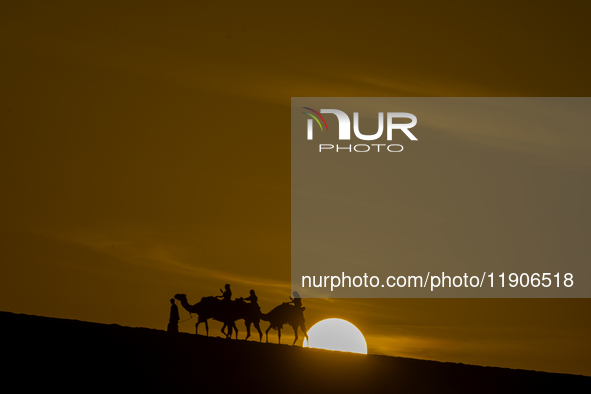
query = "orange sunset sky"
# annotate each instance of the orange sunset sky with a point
(145, 152)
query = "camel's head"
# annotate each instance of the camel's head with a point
(180, 297)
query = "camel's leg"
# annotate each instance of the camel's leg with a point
(197, 327)
(267, 333)
(279, 334)
(305, 331)
(206, 328)
(295, 331)
(257, 325)
(235, 329)
(229, 333)
(247, 324)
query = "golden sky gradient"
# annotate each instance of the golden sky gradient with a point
(145, 152)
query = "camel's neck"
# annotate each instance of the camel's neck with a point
(190, 308)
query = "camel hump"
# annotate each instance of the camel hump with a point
(210, 300)
(284, 313)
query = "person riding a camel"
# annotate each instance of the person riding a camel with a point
(253, 299)
(226, 295)
(296, 301)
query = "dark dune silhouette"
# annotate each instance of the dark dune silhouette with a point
(49, 354)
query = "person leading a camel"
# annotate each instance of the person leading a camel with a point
(173, 322)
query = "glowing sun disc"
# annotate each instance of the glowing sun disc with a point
(336, 334)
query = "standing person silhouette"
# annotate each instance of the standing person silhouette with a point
(173, 322)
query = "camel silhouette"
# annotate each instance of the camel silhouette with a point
(225, 312)
(286, 314)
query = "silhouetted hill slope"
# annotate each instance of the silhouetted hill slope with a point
(41, 353)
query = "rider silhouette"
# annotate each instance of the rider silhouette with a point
(226, 295)
(253, 300)
(296, 301)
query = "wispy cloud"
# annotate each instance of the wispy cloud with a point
(141, 246)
